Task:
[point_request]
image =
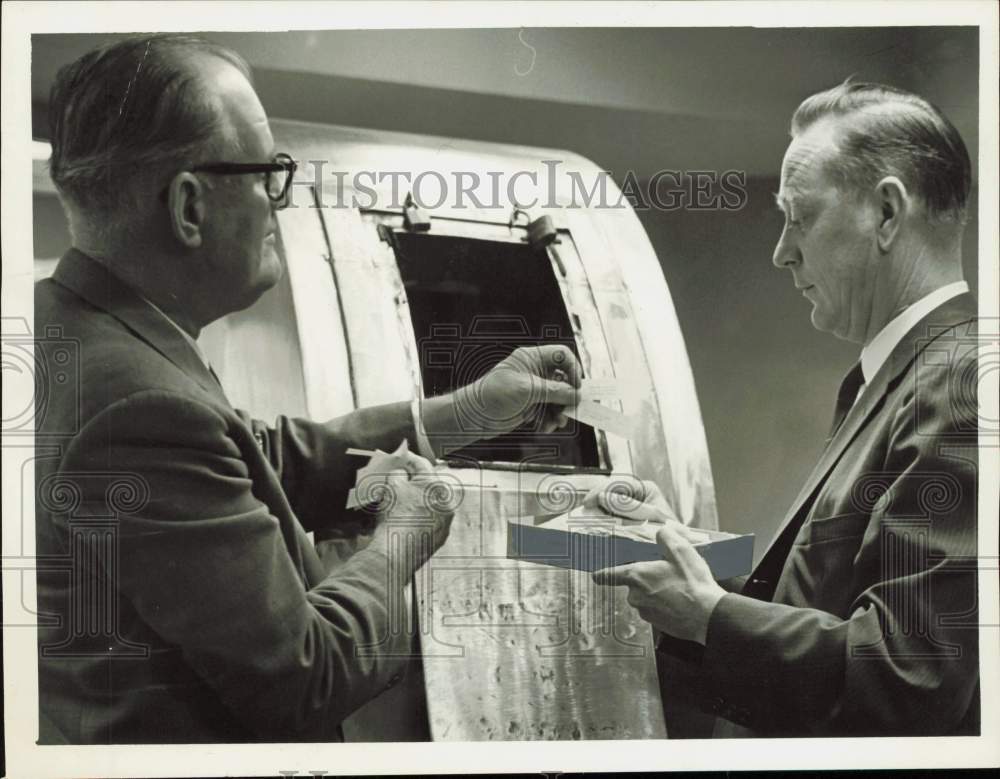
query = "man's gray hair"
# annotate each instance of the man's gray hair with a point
(131, 110)
(885, 131)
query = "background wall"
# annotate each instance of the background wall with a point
(639, 100)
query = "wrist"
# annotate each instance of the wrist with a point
(424, 446)
(456, 419)
(399, 546)
(707, 603)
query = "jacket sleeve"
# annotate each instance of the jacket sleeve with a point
(310, 457)
(205, 564)
(905, 660)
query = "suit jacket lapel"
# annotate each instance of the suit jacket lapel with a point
(950, 314)
(98, 286)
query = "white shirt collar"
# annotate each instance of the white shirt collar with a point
(874, 355)
(193, 343)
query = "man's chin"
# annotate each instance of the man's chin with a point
(825, 325)
(271, 269)
(821, 322)
(274, 273)
(266, 279)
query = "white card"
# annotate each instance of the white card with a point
(380, 463)
(601, 389)
(603, 418)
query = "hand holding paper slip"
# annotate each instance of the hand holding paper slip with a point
(380, 463)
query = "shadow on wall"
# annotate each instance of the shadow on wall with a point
(766, 379)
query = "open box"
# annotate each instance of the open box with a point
(587, 539)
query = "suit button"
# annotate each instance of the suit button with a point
(393, 681)
(718, 705)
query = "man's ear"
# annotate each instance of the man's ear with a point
(893, 201)
(186, 202)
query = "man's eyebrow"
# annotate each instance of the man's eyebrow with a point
(789, 200)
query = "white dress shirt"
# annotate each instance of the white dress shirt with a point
(874, 355)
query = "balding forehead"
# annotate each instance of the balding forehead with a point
(221, 80)
(237, 104)
(807, 154)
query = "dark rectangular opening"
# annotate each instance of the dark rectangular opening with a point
(472, 302)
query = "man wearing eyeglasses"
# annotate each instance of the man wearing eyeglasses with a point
(184, 601)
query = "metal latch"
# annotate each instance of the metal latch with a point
(541, 233)
(414, 219)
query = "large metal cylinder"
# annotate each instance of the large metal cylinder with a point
(374, 301)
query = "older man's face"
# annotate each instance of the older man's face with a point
(828, 241)
(241, 229)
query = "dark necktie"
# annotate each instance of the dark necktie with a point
(849, 388)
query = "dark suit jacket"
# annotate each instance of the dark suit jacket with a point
(861, 618)
(180, 598)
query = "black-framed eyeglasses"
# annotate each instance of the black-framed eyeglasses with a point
(278, 174)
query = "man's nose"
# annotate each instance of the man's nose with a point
(786, 253)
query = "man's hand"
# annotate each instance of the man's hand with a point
(675, 595)
(414, 512)
(631, 498)
(510, 394)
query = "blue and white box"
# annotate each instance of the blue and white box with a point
(588, 540)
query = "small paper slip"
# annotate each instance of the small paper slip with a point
(603, 418)
(381, 463)
(601, 389)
